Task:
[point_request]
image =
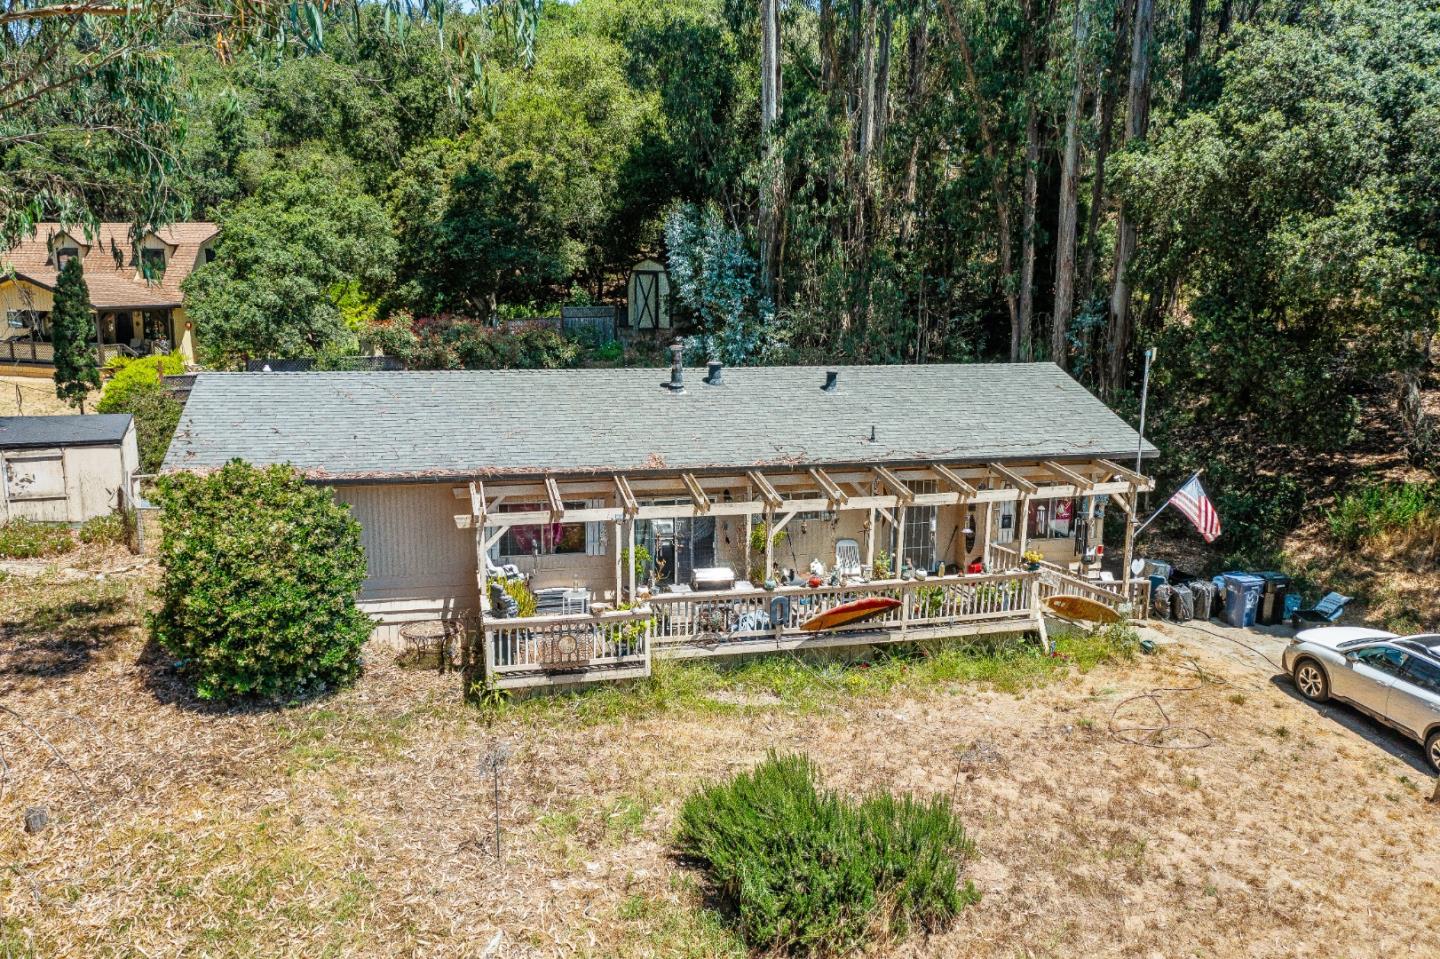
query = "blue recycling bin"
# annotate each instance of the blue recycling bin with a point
(1242, 598)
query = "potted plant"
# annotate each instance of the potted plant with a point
(1032, 558)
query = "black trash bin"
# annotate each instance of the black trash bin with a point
(1272, 598)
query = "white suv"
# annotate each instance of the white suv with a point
(1394, 678)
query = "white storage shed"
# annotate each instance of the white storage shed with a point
(66, 469)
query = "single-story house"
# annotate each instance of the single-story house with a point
(66, 469)
(134, 288)
(615, 493)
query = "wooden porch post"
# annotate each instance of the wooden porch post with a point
(987, 532)
(870, 544)
(1129, 551)
(769, 545)
(745, 543)
(898, 560)
(1022, 506)
(630, 573)
(619, 579)
(1089, 533)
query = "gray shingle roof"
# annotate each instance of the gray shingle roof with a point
(30, 432)
(495, 422)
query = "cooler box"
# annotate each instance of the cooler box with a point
(1272, 600)
(1242, 598)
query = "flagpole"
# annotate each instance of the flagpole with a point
(1141, 527)
(1131, 531)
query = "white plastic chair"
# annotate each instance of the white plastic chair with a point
(847, 557)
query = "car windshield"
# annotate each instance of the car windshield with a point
(1428, 640)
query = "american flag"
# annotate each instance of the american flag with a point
(1191, 500)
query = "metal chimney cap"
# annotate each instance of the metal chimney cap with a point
(716, 374)
(832, 381)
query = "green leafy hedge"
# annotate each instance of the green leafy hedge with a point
(261, 571)
(135, 388)
(810, 872)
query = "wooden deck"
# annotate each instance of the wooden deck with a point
(566, 650)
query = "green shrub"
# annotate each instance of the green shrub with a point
(136, 389)
(24, 539)
(518, 591)
(112, 529)
(448, 344)
(130, 374)
(810, 872)
(1380, 508)
(261, 571)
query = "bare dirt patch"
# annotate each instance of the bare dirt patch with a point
(360, 824)
(35, 396)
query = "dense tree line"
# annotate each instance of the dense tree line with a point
(1252, 187)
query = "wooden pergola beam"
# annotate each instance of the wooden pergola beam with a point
(953, 479)
(767, 492)
(837, 497)
(628, 503)
(894, 484)
(1081, 483)
(1014, 479)
(1134, 478)
(697, 494)
(557, 505)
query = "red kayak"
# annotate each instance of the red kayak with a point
(851, 612)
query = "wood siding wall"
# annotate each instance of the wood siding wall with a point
(419, 565)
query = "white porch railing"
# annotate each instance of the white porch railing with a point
(607, 642)
(730, 617)
(1055, 580)
(552, 649)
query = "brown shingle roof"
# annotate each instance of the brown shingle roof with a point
(110, 265)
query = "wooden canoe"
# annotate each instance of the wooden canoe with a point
(851, 612)
(1067, 606)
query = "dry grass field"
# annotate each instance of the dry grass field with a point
(359, 825)
(35, 396)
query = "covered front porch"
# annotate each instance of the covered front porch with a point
(632, 566)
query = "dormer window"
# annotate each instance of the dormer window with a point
(152, 263)
(64, 255)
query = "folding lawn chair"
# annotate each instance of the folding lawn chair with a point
(1326, 611)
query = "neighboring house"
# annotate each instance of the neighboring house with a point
(135, 293)
(562, 475)
(66, 469)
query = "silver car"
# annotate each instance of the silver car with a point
(1395, 679)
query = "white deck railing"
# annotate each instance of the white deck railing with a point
(1055, 580)
(747, 620)
(560, 643)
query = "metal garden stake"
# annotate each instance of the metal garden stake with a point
(492, 762)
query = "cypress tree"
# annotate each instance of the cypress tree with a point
(71, 326)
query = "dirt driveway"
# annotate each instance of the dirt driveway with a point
(1184, 804)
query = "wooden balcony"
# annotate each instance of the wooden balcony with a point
(563, 650)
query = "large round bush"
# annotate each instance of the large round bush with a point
(261, 571)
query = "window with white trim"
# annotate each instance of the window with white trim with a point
(550, 539)
(1052, 518)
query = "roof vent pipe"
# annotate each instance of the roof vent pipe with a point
(677, 372)
(716, 374)
(832, 381)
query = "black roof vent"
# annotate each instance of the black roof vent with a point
(832, 381)
(717, 372)
(677, 372)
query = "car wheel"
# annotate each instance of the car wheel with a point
(1311, 680)
(1432, 750)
